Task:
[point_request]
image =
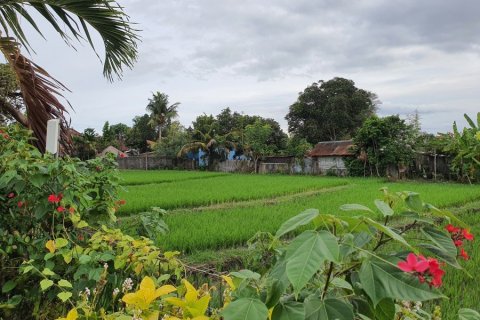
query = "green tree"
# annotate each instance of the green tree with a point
(330, 110)
(85, 146)
(465, 146)
(383, 142)
(176, 137)
(140, 133)
(161, 114)
(256, 138)
(297, 147)
(71, 19)
(10, 95)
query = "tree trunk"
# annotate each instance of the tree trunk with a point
(159, 133)
(14, 112)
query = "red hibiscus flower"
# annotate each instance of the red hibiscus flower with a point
(20, 204)
(11, 195)
(467, 235)
(60, 209)
(53, 198)
(412, 264)
(464, 254)
(458, 243)
(451, 229)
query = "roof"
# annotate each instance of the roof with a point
(332, 148)
(112, 149)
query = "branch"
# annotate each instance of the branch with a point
(14, 112)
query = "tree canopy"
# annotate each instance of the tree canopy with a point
(330, 110)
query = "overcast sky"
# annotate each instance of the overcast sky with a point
(256, 56)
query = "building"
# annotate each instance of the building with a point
(328, 157)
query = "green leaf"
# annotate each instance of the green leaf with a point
(355, 207)
(341, 283)
(27, 269)
(9, 286)
(414, 202)
(82, 224)
(61, 242)
(468, 314)
(385, 310)
(84, 259)
(245, 309)
(328, 309)
(246, 274)
(384, 208)
(444, 246)
(64, 283)
(442, 255)
(277, 282)
(382, 280)
(290, 310)
(48, 272)
(45, 284)
(306, 254)
(389, 232)
(64, 296)
(299, 220)
(444, 214)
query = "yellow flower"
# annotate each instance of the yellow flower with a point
(192, 305)
(146, 294)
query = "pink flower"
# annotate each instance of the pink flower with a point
(11, 195)
(20, 204)
(427, 270)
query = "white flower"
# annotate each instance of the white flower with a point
(127, 285)
(116, 291)
(87, 292)
(105, 266)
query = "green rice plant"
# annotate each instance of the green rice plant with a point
(227, 188)
(136, 177)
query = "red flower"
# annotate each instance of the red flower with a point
(122, 155)
(71, 210)
(464, 254)
(11, 195)
(6, 136)
(467, 235)
(122, 202)
(53, 198)
(60, 209)
(412, 264)
(458, 243)
(451, 229)
(20, 204)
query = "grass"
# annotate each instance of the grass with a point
(138, 177)
(217, 189)
(223, 228)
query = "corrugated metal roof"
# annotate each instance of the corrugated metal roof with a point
(332, 148)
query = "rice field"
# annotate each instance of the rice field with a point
(209, 211)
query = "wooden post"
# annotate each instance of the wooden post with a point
(53, 135)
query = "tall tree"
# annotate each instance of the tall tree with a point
(330, 110)
(161, 114)
(140, 133)
(71, 19)
(256, 138)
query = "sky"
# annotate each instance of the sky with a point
(256, 56)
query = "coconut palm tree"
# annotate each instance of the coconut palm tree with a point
(72, 20)
(161, 114)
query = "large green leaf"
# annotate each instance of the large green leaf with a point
(277, 282)
(382, 280)
(444, 214)
(468, 314)
(355, 207)
(290, 310)
(306, 254)
(384, 208)
(299, 220)
(443, 247)
(245, 309)
(414, 202)
(328, 309)
(385, 310)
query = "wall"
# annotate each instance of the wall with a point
(335, 165)
(235, 166)
(152, 162)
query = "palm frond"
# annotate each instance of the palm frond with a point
(192, 146)
(105, 16)
(39, 91)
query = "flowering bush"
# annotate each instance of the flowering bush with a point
(60, 255)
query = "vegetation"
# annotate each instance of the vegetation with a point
(330, 110)
(161, 114)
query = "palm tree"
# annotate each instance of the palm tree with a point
(210, 143)
(72, 20)
(161, 113)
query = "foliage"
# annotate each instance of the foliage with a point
(256, 140)
(71, 20)
(140, 133)
(161, 114)
(85, 145)
(330, 110)
(465, 146)
(176, 137)
(297, 147)
(9, 94)
(384, 142)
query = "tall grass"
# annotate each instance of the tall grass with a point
(136, 177)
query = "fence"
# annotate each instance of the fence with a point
(152, 162)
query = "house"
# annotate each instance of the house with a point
(328, 157)
(115, 151)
